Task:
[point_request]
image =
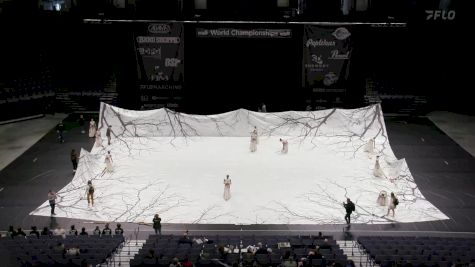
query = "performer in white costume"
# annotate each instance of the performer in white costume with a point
(92, 128)
(382, 198)
(253, 146)
(285, 146)
(378, 172)
(98, 138)
(108, 162)
(257, 134)
(369, 147)
(227, 188)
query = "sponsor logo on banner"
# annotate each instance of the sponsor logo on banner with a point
(440, 15)
(150, 51)
(158, 77)
(157, 40)
(159, 28)
(335, 54)
(317, 59)
(244, 33)
(317, 63)
(341, 33)
(319, 42)
(172, 62)
(330, 79)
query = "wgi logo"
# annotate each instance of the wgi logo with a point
(172, 62)
(440, 15)
(159, 28)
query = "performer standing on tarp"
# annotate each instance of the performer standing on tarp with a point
(378, 172)
(90, 193)
(92, 128)
(98, 138)
(227, 188)
(108, 134)
(369, 147)
(253, 146)
(285, 146)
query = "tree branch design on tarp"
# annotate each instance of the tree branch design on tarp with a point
(210, 214)
(168, 162)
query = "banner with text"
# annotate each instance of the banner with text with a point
(242, 33)
(326, 61)
(160, 58)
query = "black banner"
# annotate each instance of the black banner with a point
(326, 60)
(160, 57)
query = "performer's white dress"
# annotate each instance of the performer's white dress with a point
(378, 172)
(382, 198)
(285, 146)
(92, 128)
(108, 162)
(391, 204)
(98, 139)
(253, 146)
(369, 147)
(227, 189)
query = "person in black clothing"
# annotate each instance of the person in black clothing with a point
(261, 249)
(73, 230)
(349, 207)
(19, 231)
(118, 230)
(157, 225)
(106, 230)
(60, 131)
(46, 231)
(34, 232)
(83, 231)
(185, 239)
(11, 232)
(74, 159)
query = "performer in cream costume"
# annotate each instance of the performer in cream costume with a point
(98, 138)
(108, 162)
(369, 147)
(254, 140)
(227, 188)
(92, 128)
(382, 198)
(377, 171)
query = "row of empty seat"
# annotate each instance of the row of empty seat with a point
(419, 251)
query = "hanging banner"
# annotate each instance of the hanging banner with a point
(160, 58)
(326, 60)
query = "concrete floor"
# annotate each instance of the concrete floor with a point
(461, 128)
(18, 137)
